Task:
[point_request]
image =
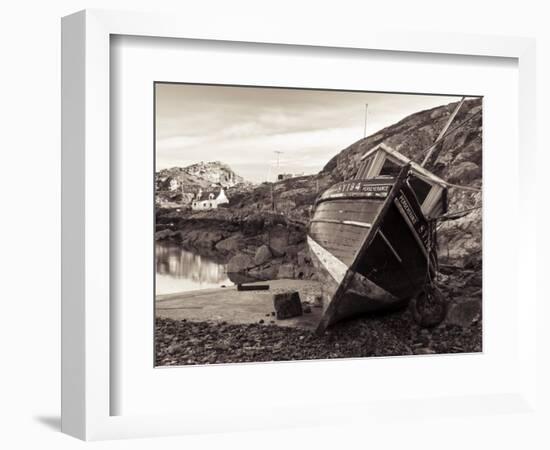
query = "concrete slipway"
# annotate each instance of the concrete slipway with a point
(239, 307)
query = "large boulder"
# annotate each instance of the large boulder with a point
(210, 239)
(287, 305)
(263, 254)
(240, 263)
(199, 238)
(460, 240)
(231, 245)
(253, 225)
(464, 173)
(278, 240)
(291, 253)
(265, 272)
(163, 234)
(465, 313)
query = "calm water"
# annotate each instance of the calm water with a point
(180, 270)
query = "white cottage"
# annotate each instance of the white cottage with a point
(209, 200)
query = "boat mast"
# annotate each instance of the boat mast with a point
(442, 133)
(366, 112)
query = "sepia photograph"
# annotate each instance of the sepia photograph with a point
(300, 224)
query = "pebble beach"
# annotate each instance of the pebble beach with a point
(182, 342)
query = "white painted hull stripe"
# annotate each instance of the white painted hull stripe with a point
(383, 236)
(336, 268)
(344, 222)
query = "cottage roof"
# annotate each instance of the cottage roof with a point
(205, 195)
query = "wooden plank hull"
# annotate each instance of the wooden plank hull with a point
(361, 295)
(371, 252)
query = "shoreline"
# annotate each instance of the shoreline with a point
(260, 244)
(188, 335)
(185, 342)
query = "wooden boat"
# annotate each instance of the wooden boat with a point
(372, 239)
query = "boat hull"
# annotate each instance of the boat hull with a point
(371, 252)
(361, 295)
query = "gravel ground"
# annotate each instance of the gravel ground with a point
(181, 342)
(187, 343)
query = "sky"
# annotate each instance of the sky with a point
(244, 127)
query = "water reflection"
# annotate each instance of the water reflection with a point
(179, 270)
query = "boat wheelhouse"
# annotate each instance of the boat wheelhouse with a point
(430, 190)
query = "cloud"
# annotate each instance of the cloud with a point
(243, 127)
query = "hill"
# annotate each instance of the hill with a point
(180, 184)
(283, 208)
(458, 159)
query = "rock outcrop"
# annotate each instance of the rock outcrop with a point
(181, 184)
(263, 245)
(458, 160)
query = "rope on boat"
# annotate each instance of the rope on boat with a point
(466, 188)
(430, 149)
(456, 214)
(452, 130)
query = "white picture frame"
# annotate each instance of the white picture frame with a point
(86, 216)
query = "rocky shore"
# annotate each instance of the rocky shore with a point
(260, 245)
(184, 342)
